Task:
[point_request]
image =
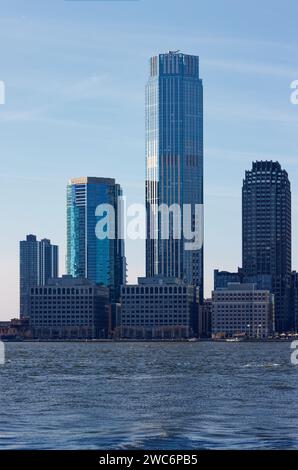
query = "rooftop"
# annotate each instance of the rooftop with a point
(92, 179)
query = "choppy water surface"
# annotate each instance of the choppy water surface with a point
(148, 395)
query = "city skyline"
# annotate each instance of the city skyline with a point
(247, 73)
(149, 242)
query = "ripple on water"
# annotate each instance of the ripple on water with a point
(148, 395)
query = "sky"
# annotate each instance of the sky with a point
(75, 73)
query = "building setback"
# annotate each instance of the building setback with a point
(158, 308)
(174, 163)
(100, 260)
(242, 310)
(266, 239)
(39, 262)
(68, 308)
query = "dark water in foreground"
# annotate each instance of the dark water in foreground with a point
(142, 395)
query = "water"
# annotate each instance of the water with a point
(148, 396)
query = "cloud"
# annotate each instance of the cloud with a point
(90, 87)
(21, 115)
(242, 110)
(255, 68)
(213, 153)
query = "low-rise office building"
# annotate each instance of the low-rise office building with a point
(158, 308)
(15, 329)
(69, 308)
(242, 310)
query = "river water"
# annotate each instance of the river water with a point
(148, 396)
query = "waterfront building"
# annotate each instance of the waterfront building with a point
(38, 263)
(266, 240)
(174, 165)
(15, 330)
(159, 307)
(100, 260)
(69, 308)
(242, 310)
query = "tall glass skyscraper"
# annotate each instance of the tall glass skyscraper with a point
(99, 260)
(38, 264)
(174, 162)
(266, 234)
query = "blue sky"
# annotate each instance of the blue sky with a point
(75, 73)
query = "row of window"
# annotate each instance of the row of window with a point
(61, 291)
(235, 304)
(60, 302)
(154, 290)
(77, 309)
(153, 323)
(155, 301)
(223, 296)
(240, 325)
(42, 323)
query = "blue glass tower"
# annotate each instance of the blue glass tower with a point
(174, 161)
(99, 260)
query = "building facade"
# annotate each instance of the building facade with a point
(242, 310)
(223, 278)
(294, 301)
(158, 307)
(266, 228)
(101, 260)
(16, 329)
(39, 261)
(174, 166)
(69, 308)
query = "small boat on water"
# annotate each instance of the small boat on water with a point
(232, 340)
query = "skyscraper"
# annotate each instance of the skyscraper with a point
(266, 239)
(38, 264)
(174, 162)
(99, 260)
